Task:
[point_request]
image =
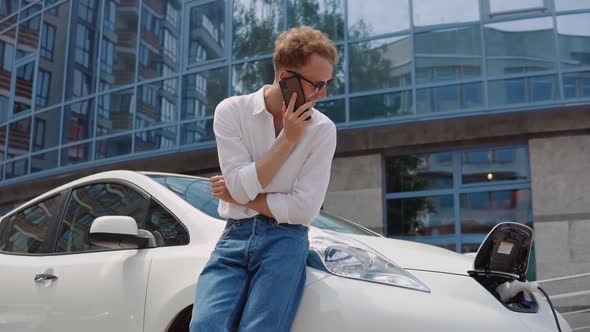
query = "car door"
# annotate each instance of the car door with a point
(98, 289)
(25, 268)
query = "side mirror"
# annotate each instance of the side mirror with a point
(119, 232)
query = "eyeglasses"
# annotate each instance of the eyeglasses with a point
(317, 86)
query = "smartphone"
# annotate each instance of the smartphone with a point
(289, 86)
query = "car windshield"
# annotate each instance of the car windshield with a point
(197, 192)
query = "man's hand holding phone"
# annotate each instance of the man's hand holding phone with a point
(294, 122)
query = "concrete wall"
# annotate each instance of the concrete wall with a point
(560, 170)
(355, 191)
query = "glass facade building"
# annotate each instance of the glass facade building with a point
(90, 82)
(83, 81)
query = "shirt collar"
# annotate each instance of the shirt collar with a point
(259, 101)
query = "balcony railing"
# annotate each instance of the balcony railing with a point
(577, 322)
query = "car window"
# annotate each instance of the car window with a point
(90, 202)
(340, 225)
(167, 230)
(4, 227)
(3, 224)
(196, 192)
(27, 230)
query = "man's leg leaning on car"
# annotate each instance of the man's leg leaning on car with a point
(255, 278)
(278, 267)
(223, 283)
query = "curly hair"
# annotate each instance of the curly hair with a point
(294, 47)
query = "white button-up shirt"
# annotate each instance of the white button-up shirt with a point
(244, 132)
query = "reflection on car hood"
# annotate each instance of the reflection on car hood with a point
(418, 256)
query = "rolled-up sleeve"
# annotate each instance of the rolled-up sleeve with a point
(302, 205)
(235, 161)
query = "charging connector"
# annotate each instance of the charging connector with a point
(509, 289)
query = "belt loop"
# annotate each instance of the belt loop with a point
(270, 220)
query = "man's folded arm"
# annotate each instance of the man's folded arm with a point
(235, 161)
(244, 177)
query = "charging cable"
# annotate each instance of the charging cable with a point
(552, 309)
(509, 289)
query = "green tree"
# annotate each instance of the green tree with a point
(257, 23)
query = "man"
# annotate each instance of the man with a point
(276, 169)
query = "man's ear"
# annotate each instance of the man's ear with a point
(283, 74)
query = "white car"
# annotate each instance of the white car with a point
(122, 251)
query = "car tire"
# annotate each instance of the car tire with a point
(182, 321)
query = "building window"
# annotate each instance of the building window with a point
(106, 60)
(24, 88)
(83, 46)
(168, 142)
(169, 85)
(25, 72)
(110, 12)
(80, 84)
(453, 199)
(40, 129)
(150, 22)
(513, 47)
(104, 107)
(144, 55)
(47, 41)
(206, 35)
(104, 86)
(8, 8)
(197, 53)
(168, 109)
(200, 84)
(43, 82)
(141, 123)
(170, 45)
(149, 95)
(508, 6)
(6, 56)
(171, 14)
(86, 10)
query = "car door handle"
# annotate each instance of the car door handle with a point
(45, 276)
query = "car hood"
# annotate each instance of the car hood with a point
(417, 256)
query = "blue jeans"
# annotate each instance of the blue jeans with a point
(254, 278)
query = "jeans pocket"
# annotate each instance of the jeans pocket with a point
(229, 226)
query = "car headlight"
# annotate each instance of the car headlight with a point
(352, 259)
